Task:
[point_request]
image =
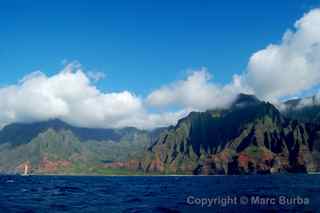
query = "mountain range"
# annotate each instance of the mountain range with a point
(249, 137)
(56, 147)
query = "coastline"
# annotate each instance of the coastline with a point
(157, 175)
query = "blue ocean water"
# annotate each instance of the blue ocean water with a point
(299, 193)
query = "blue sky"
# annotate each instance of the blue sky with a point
(140, 45)
(162, 59)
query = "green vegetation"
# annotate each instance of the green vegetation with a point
(61, 150)
(249, 137)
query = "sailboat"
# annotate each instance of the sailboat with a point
(25, 170)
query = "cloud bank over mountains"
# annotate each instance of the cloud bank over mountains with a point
(279, 70)
(71, 96)
(290, 67)
(197, 92)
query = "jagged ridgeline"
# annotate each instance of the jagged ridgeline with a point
(56, 147)
(249, 137)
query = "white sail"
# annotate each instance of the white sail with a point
(25, 169)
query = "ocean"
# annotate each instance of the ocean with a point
(257, 193)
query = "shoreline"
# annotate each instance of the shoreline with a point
(160, 175)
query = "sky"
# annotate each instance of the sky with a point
(146, 63)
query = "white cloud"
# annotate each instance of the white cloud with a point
(70, 96)
(290, 67)
(279, 70)
(150, 120)
(197, 92)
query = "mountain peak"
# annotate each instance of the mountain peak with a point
(55, 123)
(305, 109)
(310, 101)
(245, 100)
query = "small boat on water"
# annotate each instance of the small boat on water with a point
(26, 168)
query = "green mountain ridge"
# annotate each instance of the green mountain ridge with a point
(56, 147)
(249, 137)
(303, 109)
